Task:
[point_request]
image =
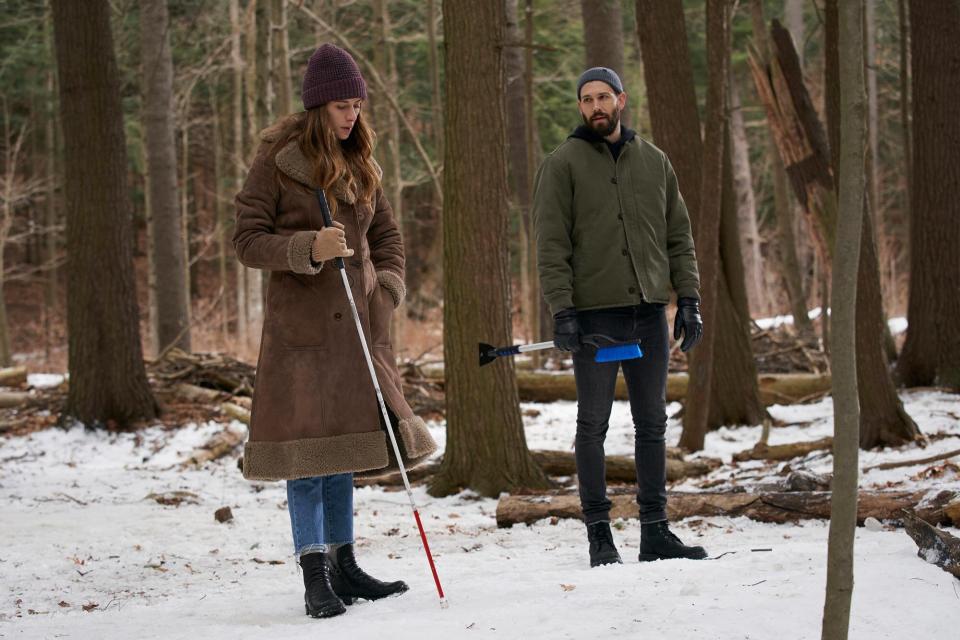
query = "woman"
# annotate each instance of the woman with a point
(315, 419)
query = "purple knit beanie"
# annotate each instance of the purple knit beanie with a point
(331, 75)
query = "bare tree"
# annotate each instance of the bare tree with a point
(931, 353)
(108, 382)
(167, 240)
(843, 506)
(486, 449)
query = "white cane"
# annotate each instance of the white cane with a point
(328, 222)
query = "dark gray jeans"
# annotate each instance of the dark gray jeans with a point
(646, 380)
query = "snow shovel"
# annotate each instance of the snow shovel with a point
(608, 349)
(328, 222)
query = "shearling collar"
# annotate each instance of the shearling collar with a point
(292, 162)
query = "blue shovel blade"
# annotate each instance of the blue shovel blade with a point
(618, 353)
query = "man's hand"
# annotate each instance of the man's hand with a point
(688, 323)
(330, 242)
(566, 330)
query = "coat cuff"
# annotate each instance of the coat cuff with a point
(688, 292)
(298, 253)
(394, 284)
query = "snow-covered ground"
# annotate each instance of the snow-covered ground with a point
(78, 532)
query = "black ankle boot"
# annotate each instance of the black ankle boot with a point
(350, 582)
(320, 600)
(602, 549)
(657, 542)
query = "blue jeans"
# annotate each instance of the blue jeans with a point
(646, 380)
(321, 512)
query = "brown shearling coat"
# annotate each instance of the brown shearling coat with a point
(315, 410)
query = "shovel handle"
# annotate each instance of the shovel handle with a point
(327, 219)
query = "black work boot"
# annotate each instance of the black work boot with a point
(320, 600)
(350, 582)
(602, 549)
(657, 542)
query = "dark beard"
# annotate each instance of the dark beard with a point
(601, 129)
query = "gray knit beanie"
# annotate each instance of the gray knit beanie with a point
(332, 74)
(603, 74)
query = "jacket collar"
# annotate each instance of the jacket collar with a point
(291, 161)
(583, 132)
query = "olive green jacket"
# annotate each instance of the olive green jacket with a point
(611, 233)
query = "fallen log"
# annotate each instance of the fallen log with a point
(778, 452)
(916, 461)
(193, 393)
(13, 376)
(236, 412)
(933, 545)
(777, 507)
(562, 463)
(782, 388)
(11, 399)
(221, 444)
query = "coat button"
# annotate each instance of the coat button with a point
(356, 263)
(337, 315)
(620, 216)
(626, 253)
(613, 180)
(632, 290)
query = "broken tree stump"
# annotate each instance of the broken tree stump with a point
(933, 545)
(777, 507)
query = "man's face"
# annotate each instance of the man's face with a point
(600, 107)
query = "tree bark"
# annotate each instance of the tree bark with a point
(236, 115)
(252, 65)
(676, 129)
(603, 39)
(843, 321)
(280, 35)
(108, 383)
(486, 449)
(172, 295)
(931, 353)
(793, 18)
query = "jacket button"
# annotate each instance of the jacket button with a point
(337, 315)
(632, 290)
(626, 253)
(613, 180)
(355, 263)
(620, 216)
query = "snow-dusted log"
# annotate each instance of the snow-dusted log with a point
(787, 451)
(934, 545)
(778, 507)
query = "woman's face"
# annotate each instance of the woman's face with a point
(343, 115)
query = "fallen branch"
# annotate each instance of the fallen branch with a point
(778, 507)
(13, 377)
(778, 452)
(933, 545)
(221, 444)
(910, 463)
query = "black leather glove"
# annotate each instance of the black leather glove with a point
(688, 323)
(566, 330)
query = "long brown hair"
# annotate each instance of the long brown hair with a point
(335, 161)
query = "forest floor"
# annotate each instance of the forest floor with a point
(107, 535)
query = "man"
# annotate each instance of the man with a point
(613, 237)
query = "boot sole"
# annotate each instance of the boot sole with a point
(324, 613)
(650, 557)
(349, 600)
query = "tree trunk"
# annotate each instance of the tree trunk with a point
(172, 296)
(843, 321)
(783, 210)
(883, 421)
(603, 39)
(539, 312)
(676, 129)
(793, 18)
(486, 449)
(746, 205)
(931, 353)
(253, 278)
(707, 231)
(520, 176)
(108, 383)
(280, 36)
(238, 165)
